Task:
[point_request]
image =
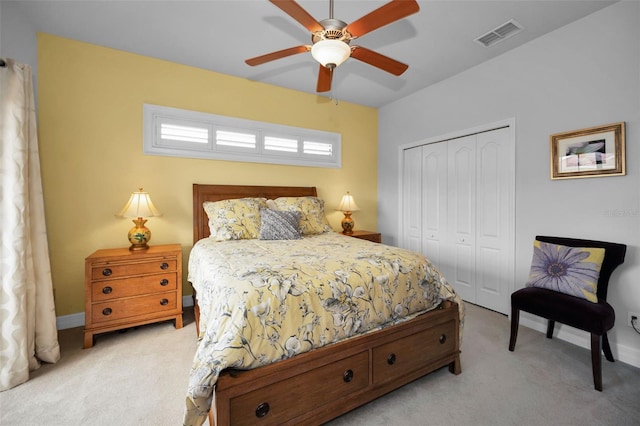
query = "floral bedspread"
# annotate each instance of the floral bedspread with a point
(264, 301)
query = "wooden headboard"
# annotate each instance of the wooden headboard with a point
(202, 193)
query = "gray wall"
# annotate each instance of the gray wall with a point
(18, 39)
(582, 75)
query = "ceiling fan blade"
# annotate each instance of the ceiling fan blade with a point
(378, 60)
(390, 12)
(277, 55)
(296, 11)
(324, 79)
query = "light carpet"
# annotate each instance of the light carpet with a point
(139, 377)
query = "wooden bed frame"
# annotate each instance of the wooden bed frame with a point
(317, 386)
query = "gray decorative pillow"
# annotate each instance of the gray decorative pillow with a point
(279, 225)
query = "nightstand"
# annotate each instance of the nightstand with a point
(376, 237)
(126, 288)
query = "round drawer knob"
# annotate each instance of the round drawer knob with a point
(164, 282)
(164, 265)
(391, 359)
(107, 272)
(106, 311)
(107, 290)
(347, 376)
(443, 338)
(164, 302)
(262, 409)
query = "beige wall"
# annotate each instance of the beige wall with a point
(90, 135)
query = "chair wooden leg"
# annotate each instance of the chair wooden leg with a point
(606, 348)
(515, 319)
(550, 325)
(596, 362)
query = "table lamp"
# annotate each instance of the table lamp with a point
(139, 206)
(347, 205)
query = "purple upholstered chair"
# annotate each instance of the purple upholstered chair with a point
(595, 318)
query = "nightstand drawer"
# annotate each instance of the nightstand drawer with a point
(125, 269)
(127, 287)
(124, 308)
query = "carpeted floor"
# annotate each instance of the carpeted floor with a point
(139, 377)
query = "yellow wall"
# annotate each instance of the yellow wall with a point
(90, 133)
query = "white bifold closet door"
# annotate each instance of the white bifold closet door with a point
(457, 210)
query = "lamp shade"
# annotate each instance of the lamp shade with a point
(332, 52)
(348, 204)
(139, 205)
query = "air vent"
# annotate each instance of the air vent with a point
(500, 33)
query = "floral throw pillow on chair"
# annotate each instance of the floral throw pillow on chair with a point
(570, 270)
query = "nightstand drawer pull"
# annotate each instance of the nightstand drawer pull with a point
(347, 376)
(443, 338)
(106, 272)
(164, 302)
(262, 409)
(164, 265)
(107, 290)
(391, 359)
(106, 311)
(164, 282)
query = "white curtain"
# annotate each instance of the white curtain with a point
(27, 313)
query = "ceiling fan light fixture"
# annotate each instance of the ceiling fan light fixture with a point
(330, 52)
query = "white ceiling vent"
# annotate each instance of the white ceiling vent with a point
(500, 33)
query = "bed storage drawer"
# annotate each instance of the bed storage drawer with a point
(410, 353)
(282, 400)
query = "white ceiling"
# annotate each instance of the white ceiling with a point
(219, 35)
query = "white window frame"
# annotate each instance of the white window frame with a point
(155, 115)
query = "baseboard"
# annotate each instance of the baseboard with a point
(77, 320)
(577, 337)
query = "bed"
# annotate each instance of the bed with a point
(299, 330)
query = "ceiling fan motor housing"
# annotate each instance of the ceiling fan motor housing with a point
(334, 29)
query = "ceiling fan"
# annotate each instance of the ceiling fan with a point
(331, 38)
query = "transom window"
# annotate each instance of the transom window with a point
(182, 133)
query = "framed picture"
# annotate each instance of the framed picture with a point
(593, 152)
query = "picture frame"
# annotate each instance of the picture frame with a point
(593, 152)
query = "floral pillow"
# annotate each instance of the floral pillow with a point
(312, 218)
(570, 270)
(236, 219)
(279, 225)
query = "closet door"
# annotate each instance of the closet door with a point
(461, 230)
(434, 204)
(457, 209)
(493, 253)
(412, 199)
